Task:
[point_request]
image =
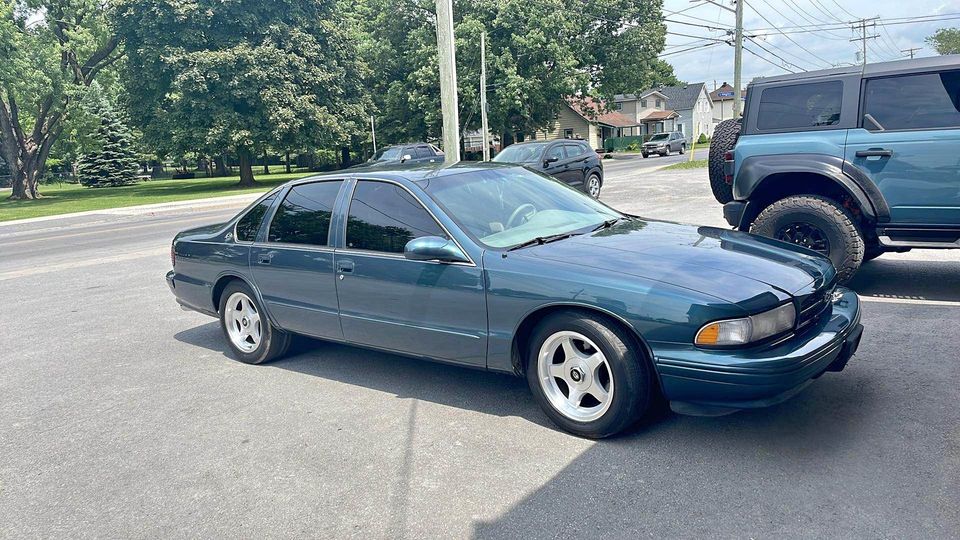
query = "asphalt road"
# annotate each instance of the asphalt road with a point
(121, 416)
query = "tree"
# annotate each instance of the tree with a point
(207, 76)
(48, 65)
(114, 163)
(538, 53)
(945, 41)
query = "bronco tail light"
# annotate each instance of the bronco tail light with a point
(728, 157)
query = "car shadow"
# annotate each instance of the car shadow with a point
(909, 279)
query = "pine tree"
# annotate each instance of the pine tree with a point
(115, 164)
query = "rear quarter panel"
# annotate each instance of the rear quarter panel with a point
(201, 263)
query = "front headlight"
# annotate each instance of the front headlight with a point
(748, 329)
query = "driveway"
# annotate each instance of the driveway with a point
(121, 416)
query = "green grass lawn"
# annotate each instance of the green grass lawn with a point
(695, 164)
(74, 198)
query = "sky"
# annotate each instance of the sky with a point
(798, 48)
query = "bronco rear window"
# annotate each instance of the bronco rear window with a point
(799, 106)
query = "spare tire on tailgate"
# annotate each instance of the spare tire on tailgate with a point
(724, 138)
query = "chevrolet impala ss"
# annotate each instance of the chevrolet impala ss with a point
(501, 268)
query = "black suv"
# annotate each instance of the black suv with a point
(569, 160)
(408, 153)
(849, 162)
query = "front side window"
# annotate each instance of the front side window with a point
(304, 215)
(927, 101)
(249, 225)
(800, 106)
(384, 217)
(555, 152)
(423, 152)
(506, 207)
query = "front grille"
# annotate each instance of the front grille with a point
(813, 306)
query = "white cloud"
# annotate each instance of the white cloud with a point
(811, 50)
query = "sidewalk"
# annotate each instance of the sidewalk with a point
(212, 203)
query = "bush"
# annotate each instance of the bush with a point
(183, 175)
(634, 146)
(703, 139)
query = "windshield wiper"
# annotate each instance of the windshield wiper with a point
(540, 240)
(609, 223)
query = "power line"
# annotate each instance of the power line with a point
(782, 59)
(840, 26)
(808, 51)
(767, 60)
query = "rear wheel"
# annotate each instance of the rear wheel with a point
(724, 139)
(816, 223)
(683, 149)
(586, 375)
(249, 333)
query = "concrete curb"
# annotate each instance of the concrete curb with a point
(193, 205)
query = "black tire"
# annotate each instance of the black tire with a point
(724, 139)
(845, 242)
(273, 341)
(632, 381)
(645, 155)
(589, 180)
(683, 149)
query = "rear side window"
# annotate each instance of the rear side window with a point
(249, 224)
(384, 217)
(927, 101)
(575, 150)
(800, 106)
(304, 215)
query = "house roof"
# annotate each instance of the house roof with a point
(634, 97)
(590, 109)
(682, 97)
(661, 115)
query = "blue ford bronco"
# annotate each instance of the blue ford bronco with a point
(850, 162)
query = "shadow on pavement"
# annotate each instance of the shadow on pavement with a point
(909, 279)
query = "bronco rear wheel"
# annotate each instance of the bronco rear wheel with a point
(724, 139)
(815, 223)
(586, 375)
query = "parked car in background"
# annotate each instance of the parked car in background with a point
(505, 269)
(664, 144)
(571, 161)
(408, 153)
(849, 162)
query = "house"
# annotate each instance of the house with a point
(650, 111)
(587, 119)
(722, 99)
(691, 103)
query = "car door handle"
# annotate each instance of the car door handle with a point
(875, 152)
(345, 267)
(265, 258)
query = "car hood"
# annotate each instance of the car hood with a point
(733, 266)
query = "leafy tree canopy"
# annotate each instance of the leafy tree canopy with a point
(946, 41)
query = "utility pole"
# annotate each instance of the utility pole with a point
(911, 51)
(448, 81)
(737, 50)
(862, 25)
(373, 133)
(483, 96)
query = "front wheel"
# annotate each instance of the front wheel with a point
(815, 223)
(593, 185)
(683, 149)
(249, 333)
(586, 374)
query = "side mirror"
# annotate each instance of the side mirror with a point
(552, 159)
(406, 157)
(433, 248)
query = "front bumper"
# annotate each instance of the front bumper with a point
(711, 382)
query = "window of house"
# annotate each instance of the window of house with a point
(619, 106)
(659, 104)
(384, 217)
(304, 215)
(643, 103)
(568, 133)
(800, 105)
(249, 225)
(926, 101)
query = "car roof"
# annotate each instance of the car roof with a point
(871, 70)
(410, 173)
(547, 141)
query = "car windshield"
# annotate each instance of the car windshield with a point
(389, 153)
(660, 137)
(520, 153)
(507, 207)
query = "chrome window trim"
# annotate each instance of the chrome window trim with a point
(289, 245)
(400, 257)
(346, 222)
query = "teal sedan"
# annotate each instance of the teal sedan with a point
(501, 268)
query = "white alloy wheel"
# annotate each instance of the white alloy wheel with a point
(575, 376)
(243, 323)
(593, 186)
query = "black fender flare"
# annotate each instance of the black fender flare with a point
(755, 170)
